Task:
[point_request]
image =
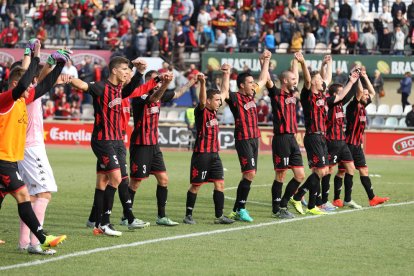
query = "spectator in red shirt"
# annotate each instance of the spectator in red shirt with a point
(112, 38)
(269, 17)
(41, 35)
(10, 35)
(63, 108)
(177, 10)
(123, 25)
(49, 110)
(165, 46)
(192, 73)
(262, 112)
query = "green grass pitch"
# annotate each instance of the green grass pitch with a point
(367, 242)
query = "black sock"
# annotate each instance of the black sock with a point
(125, 200)
(291, 188)
(189, 206)
(98, 203)
(242, 193)
(162, 194)
(131, 196)
(276, 195)
(29, 218)
(318, 197)
(92, 215)
(303, 189)
(366, 182)
(337, 187)
(313, 190)
(348, 187)
(108, 204)
(325, 187)
(218, 198)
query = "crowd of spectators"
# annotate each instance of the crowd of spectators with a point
(224, 25)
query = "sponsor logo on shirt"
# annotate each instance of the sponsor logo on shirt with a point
(249, 105)
(339, 115)
(115, 102)
(290, 100)
(362, 118)
(211, 123)
(153, 110)
(320, 102)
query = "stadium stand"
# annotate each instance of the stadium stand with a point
(378, 122)
(383, 110)
(391, 122)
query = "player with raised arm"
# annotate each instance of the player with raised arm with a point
(246, 133)
(13, 125)
(314, 108)
(285, 149)
(145, 155)
(356, 117)
(107, 139)
(206, 164)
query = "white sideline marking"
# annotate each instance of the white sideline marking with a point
(192, 235)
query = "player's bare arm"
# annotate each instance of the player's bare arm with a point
(360, 91)
(225, 83)
(181, 90)
(203, 93)
(370, 88)
(306, 74)
(295, 68)
(352, 80)
(326, 69)
(166, 80)
(265, 68)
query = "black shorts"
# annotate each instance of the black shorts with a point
(247, 150)
(316, 150)
(10, 179)
(111, 156)
(338, 152)
(286, 152)
(358, 155)
(145, 160)
(206, 167)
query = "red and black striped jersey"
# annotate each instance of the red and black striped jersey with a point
(314, 111)
(125, 115)
(107, 99)
(335, 123)
(284, 111)
(245, 116)
(207, 131)
(356, 121)
(146, 117)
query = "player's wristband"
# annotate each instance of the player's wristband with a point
(157, 79)
(27, 52)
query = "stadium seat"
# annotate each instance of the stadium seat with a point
(87, 112)
(172, 115)
(407, 109)
(283, 48)
(402, 123)
(181, 117)
(378, 122)
(371, 109)
(163, 115)
(391, 122)
(396, 110)
(321, 48)
(383, 110)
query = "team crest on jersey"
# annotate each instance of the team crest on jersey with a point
(249, 105)
(5, 179)
(212, 123)
(339, 115)
(115, 102)
(194, 173)
(320, 102)
(144, 96)
(126, 110)
(153, 110)
(277, 159)
(290, 100)
(315, 159)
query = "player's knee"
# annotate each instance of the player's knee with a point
(163, 180)
(134, 184)
(219, 186)
(340, 174)
(363, 171)
(350, 168)
(249, 175)
(280, 176)
(46, 195)
(22, 195)
(194, 189)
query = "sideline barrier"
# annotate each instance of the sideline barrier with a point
(393, 143)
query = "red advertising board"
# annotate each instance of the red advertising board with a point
(99, 56)
(389, 143)
(79, 133)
